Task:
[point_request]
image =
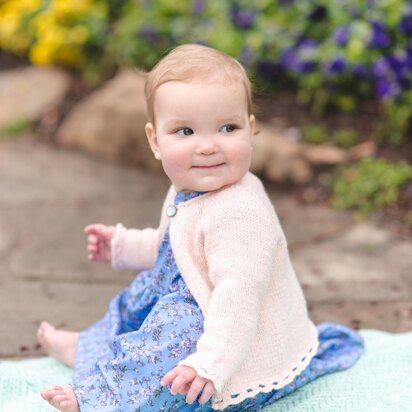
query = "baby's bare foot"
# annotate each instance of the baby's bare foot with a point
(61, 344)
(61, 397)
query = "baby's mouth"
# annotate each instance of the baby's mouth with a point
(214, 166)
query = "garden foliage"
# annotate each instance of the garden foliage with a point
(369, 184)
(337, 52)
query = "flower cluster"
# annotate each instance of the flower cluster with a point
(52, 31)
(361, 41)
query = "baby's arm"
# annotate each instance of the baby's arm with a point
(137, 249)
(134, 248)
(239, 248)
(124, 248)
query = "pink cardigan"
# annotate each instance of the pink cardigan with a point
(233, 256)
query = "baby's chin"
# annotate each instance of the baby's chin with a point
(205, 186)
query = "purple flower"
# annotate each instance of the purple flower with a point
(305, 66)
(337, 65)
(405, 25)
(268, 69)
(198, 6)
(379, 36)
(305, 43)
(409, 48)
(394, 62)
(149, 33)
(408, 61)
(360, 70)
(385, 89)
(380, 68)
(288, 58)
(299, 62)
(341, 35)
(243, 18)
(401, 74)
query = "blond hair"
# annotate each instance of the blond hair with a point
(194, 62)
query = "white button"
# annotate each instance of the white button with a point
(171, 210)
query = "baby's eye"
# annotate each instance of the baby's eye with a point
(184, 131)
(228, 128)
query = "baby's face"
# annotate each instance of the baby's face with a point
(202, 134)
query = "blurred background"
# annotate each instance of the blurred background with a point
(333, 86)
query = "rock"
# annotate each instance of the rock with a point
(324, 154)
(277, 157)
(362, 150)
(110, 122)
(300, 171)
(30, 92)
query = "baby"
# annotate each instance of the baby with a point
(215, 319)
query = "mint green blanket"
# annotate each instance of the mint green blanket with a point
(381, 381)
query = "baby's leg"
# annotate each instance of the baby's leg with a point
(62, 398)
(60, 344)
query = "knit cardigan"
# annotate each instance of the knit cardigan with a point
(232, 253)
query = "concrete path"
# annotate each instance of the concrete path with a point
(355, 274)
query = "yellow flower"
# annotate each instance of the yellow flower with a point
(70, 56)
(31, 5)
(78, 35)
(43, 21)
(41, 53)
(70, 7)
(9, 24)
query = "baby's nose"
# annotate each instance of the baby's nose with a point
(207, 146)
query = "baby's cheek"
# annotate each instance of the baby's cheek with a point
(178, 159)
(175, 163)
(242, 155)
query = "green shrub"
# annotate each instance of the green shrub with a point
(369, 184)
(15, 127)
(315, 133)
(344, 138)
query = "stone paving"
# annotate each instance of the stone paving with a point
(357, 274)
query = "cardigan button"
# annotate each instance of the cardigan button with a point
(171, 210)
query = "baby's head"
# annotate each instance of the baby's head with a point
(194, 63)
(200, 118)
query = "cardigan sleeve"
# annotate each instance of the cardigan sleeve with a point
(133, 248)
(137, 249)
(239, 248)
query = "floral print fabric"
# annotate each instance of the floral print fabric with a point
(152, 325)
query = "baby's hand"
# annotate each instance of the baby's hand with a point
(186, 381)
(98, 241)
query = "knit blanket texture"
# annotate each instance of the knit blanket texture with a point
(380, 382)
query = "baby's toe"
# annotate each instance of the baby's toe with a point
(49, 392)
(44, 329)
(58, 398)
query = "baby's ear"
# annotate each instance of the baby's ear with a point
(252, 124)
(152, 139)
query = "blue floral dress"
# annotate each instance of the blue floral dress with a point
(152, 325)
